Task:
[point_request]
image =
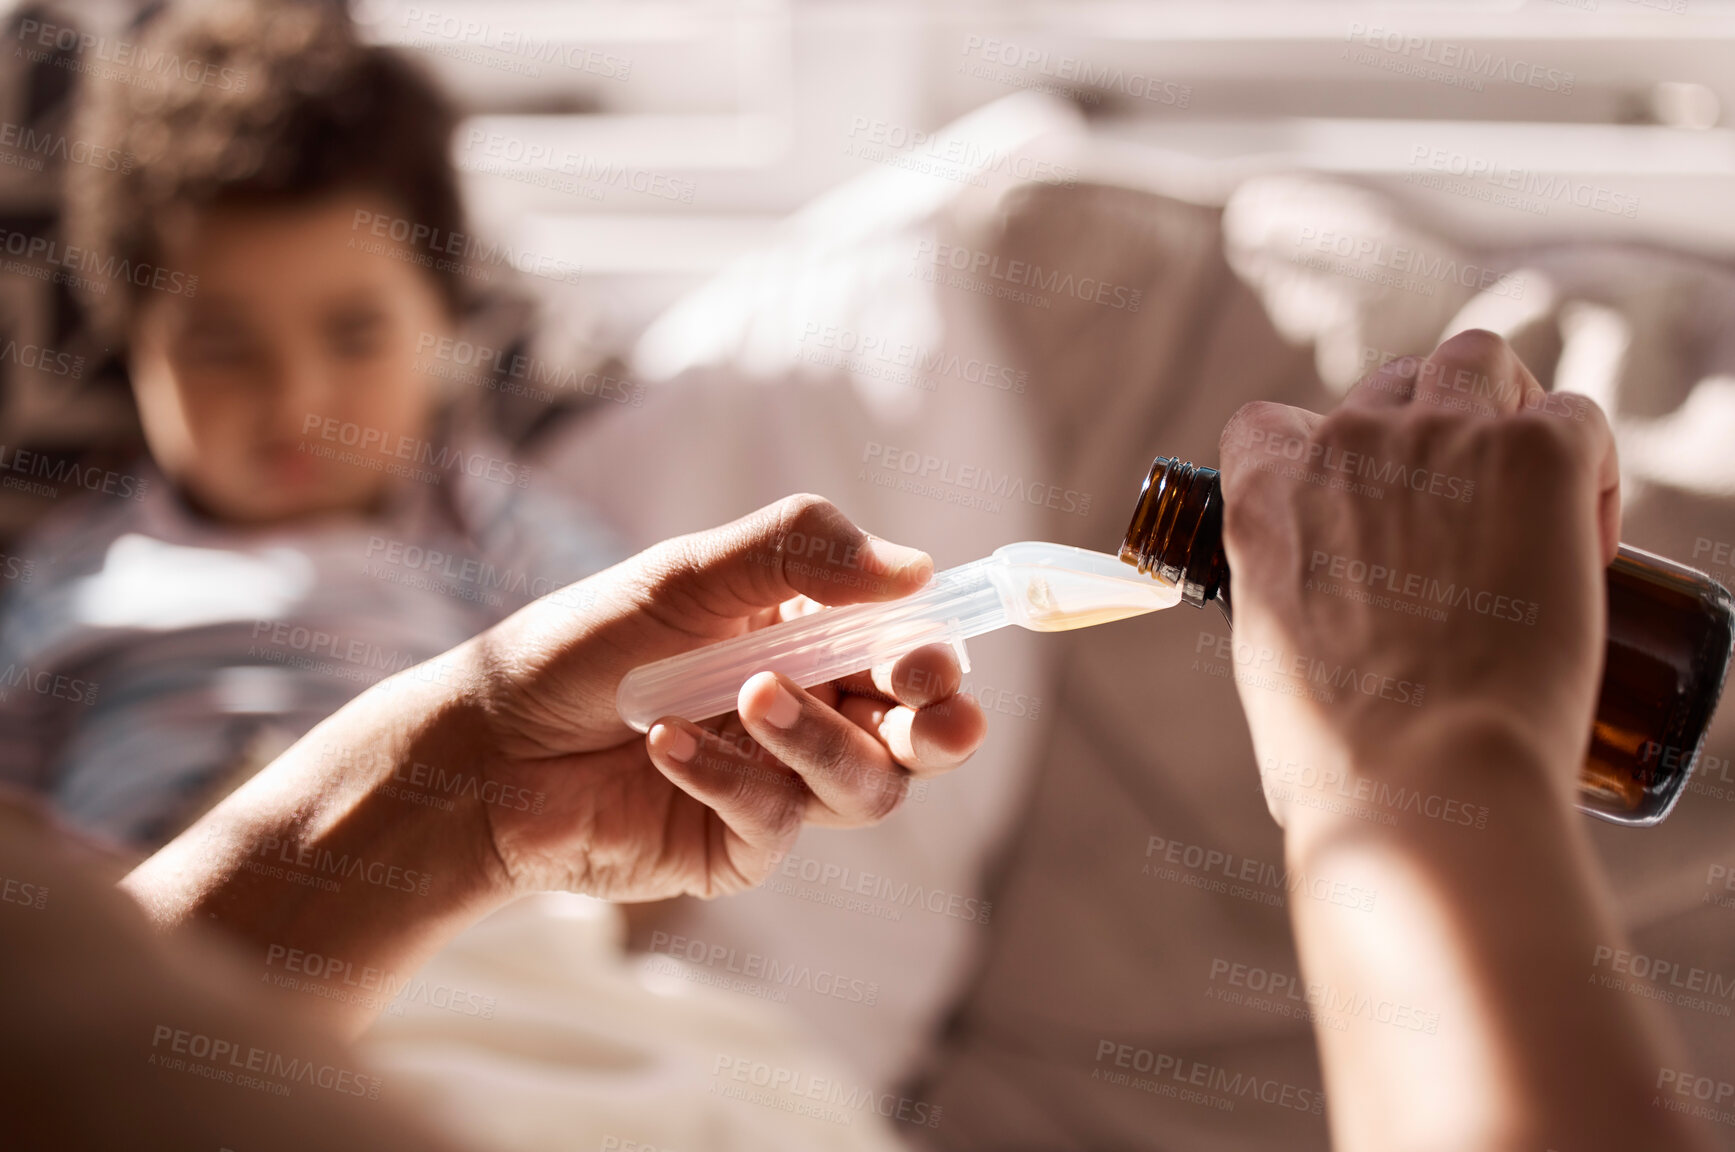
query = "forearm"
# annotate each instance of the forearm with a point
(118, 1037)
(341, 868)
(1470, 979)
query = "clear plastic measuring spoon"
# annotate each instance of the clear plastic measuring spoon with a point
(1036, 585)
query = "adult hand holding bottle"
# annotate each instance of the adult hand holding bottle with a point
(1433, 759)
(1462, 596)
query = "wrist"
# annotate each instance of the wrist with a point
(364, 843)
(415, 752)
(1459, 770)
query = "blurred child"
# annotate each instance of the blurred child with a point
(315, 513)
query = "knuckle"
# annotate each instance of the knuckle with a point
(886, 796)
(1351, 428)
(1523, 449)
(1475, 348)
(758, 786)
(671, 568)
(1480, 368)
(1428, 433)
(882, 793)
(804, 524)
(1542, 443)
(829, 751)
(1253, 414)
(808, 514)
(746, 789)
(777, 812)
(1394, 378)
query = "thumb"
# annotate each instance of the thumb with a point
(800, 546)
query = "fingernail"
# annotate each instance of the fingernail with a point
(785, 709)
(673, 743)
(898, 560)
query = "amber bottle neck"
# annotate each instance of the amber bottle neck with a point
(1176, 534)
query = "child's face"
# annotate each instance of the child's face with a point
(286, 385)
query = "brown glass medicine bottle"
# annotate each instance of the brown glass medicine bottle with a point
(1670, 632)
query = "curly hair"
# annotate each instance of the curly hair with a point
(288, 107)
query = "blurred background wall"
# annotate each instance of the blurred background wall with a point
(652, 141)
